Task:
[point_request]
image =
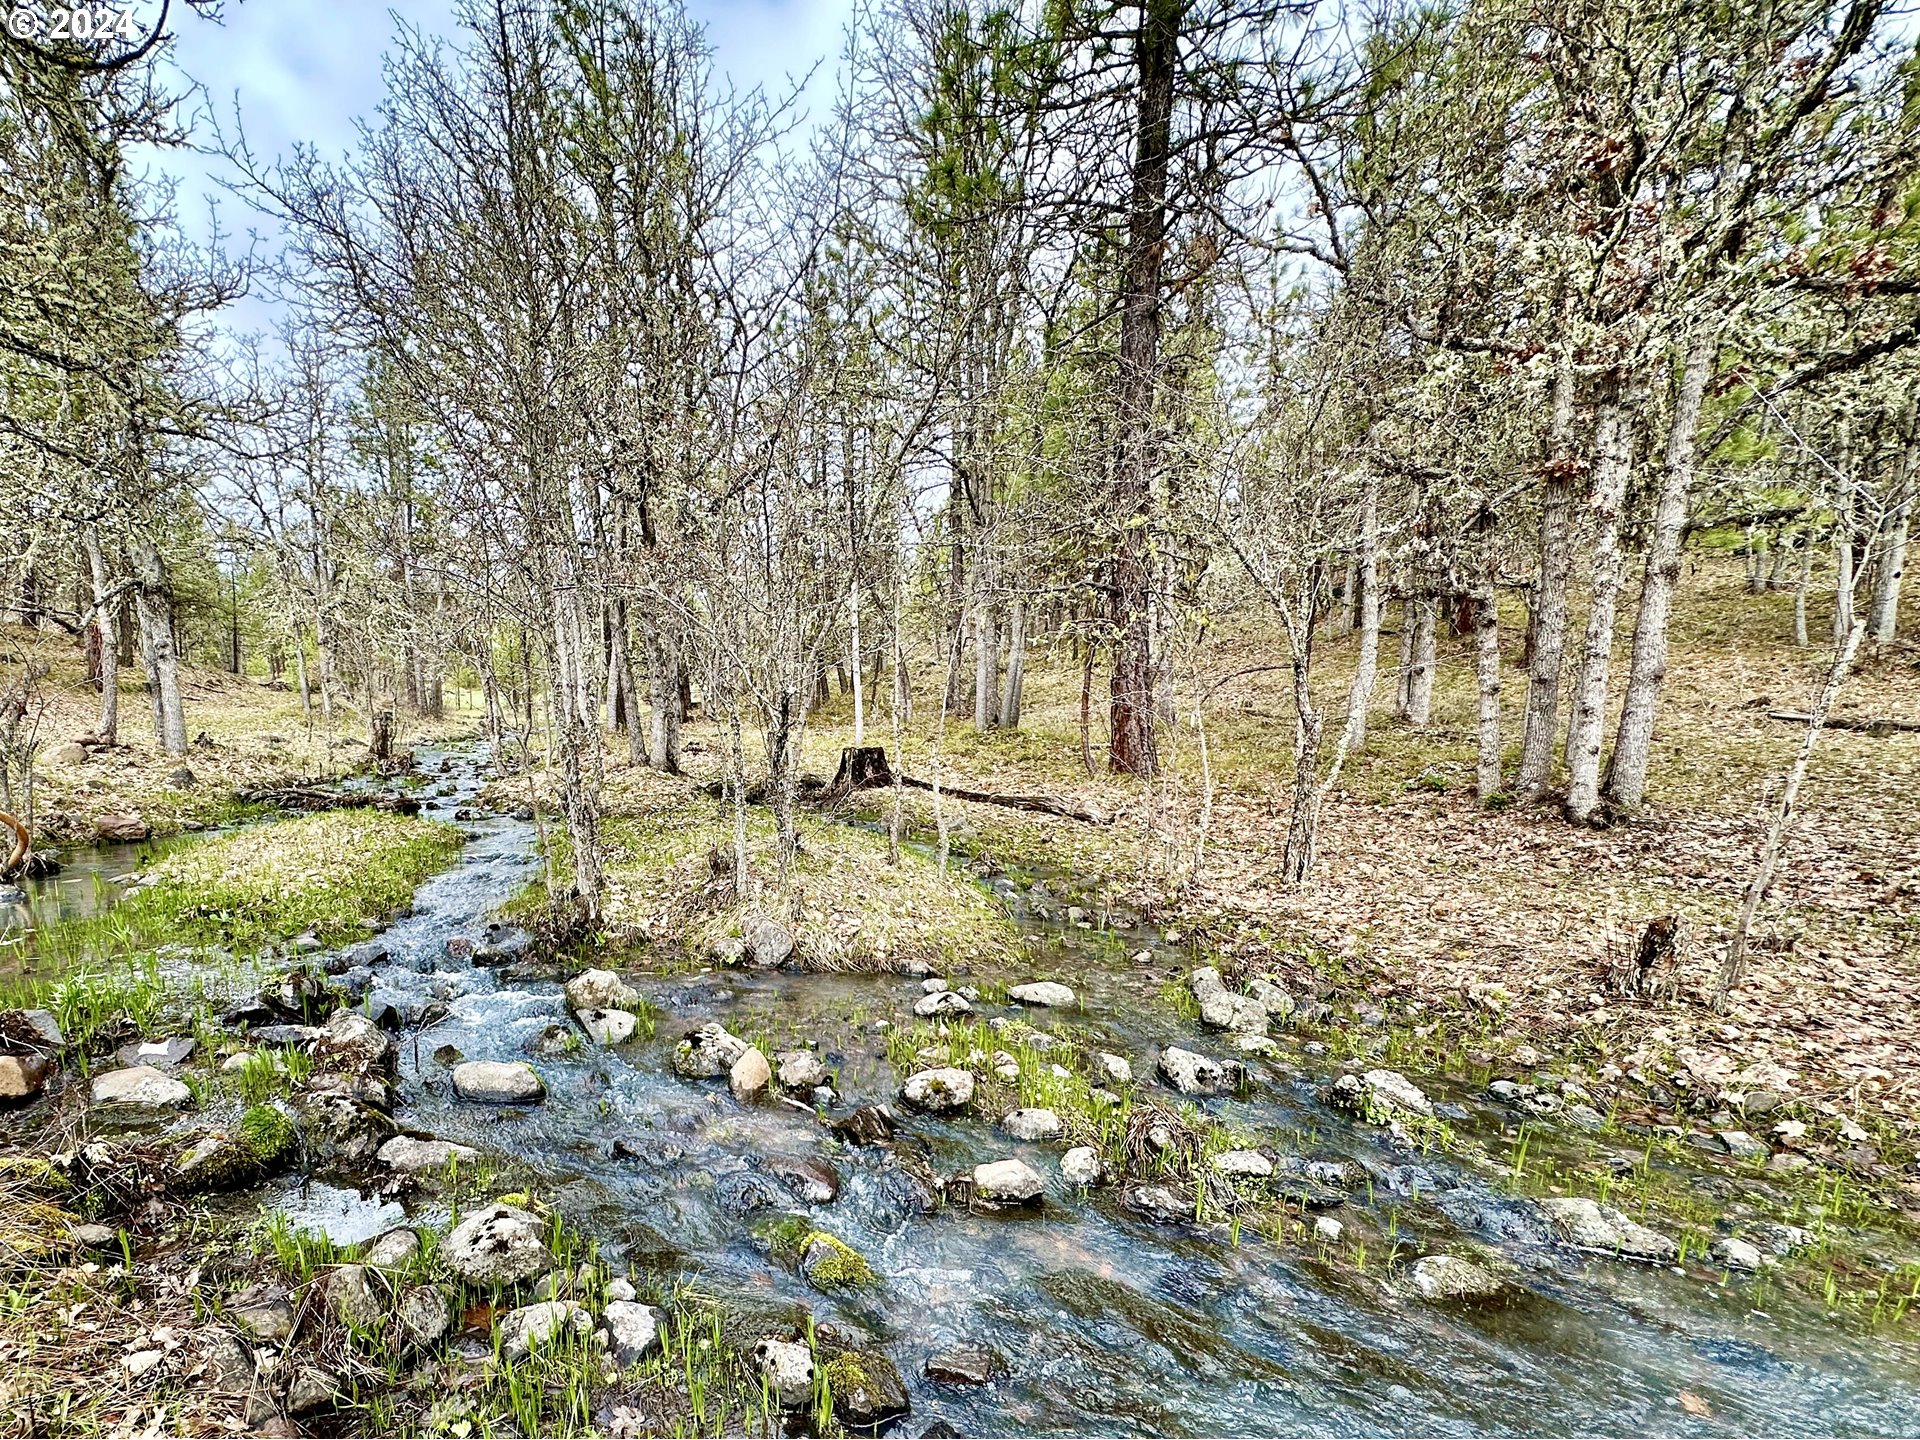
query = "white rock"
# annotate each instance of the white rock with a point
(1007, 1182)
(1380, 1093)
(499, 1245)
(1048, 994)
(498, 1082)
(1588, 1225)
(601, 990)
(1736, 1254)
(1082, 1166)
(787, 1367)
(410, 1153)
(707, 1052)
(1114, 1069)
(941, 1002)
(396, 1247)
(801, 1070)
(1240, 1014)
(1327, 1230)
(941, 1090)
(140, 1085)
(1448, 1277)
(541, 1324)
(1192, 1074)
(1033, 1124)
(933, 985)
(1244, 1164)
(633, 1329)
(1204, 982)
(608, 1027)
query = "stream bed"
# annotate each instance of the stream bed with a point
(1106, 1323)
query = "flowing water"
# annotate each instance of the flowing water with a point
(1109, 1325)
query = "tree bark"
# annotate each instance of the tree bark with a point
(1549, 631)
(1367, 612)
(1016, 678)
(1626, 786)
(153, 600)
(108, 728)
(1885, 615)
(1613, 466)
(1486, 631)
(1421, 663)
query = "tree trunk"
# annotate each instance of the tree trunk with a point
(1843, 523)
(1549, 634)
(853, 664)
(986, 663)
(108, 728)
(1612, 468)
(1303, 822)
(1426, 611)
(1486, 631)
(153, 599)
(1367, 614)
(1133, 750)
(1800, 592)
(1885, 615)
(1016, 680)
(663, 665)
(1633, 741)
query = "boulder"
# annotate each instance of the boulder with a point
(1736, 1254)
(425, 1315)
(707, 1052)
(768, 943)
(750, 1075)
(1205, 982)
(498, 1082)
(800, 1070)
(1193, 1074)
(353, 1041)
(396, 1247)
(499, 1245)
(1008, 1182)
(787, 1368)
(608, 1027)
(939, 1091)
(867, 1390)
(601, 990)
(66, 754)
(1082, 1166)
(1112, 1069)
(941, 1002)
(1237, 1014)
(1159, 1204)
(415, 1153)
(141, 1085)
(543, 1323)
(633, 1330)
(1380, 1095)
(1243, 1165)
(340, 1127)
(1326, 1229)
(121, 828)
(1048, 994)
(1448, 1277)
(1033, 1124)
(1588, 1225)
(22, 1077)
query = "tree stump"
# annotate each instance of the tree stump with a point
(861, 766)
(383, 736)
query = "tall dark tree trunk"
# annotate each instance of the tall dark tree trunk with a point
(1156, 48)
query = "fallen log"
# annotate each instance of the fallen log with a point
(1866, 725)
(865, 767)
(298, 797)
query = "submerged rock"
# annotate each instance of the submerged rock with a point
(1588, 1225)
(1048, 994)
(966, 1363)
(1378, 1095)
(812, 1180)
(707, 1052)
(140, 1085)
(1448, 1277)
(1159, 1204)
(939, 1091)
(416, 1153)
(500, 1245)
(498, 1082)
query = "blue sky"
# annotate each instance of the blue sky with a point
(304, 70)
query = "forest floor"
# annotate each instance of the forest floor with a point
(1425, 899)
(245, 733)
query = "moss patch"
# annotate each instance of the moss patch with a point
(831, 1264)
(266, 1134)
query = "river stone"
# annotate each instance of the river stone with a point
(966, 1363)
(140, 1085)
(499, 1245)
(22, 1077)
(357, 1040)
(1379, 1094)
(601, 990)
(352, 1299)
(1243, 1164)
(1736, 1254)
(750, 1075)
(541, 1323)
(1742, 1146)
(1588, 1225)
(121, 828)
(900, 1194)
(812, 1180)
(1007, 1182)
(939, 1090)
(1448, 1277)
(867, 1390)
(498, 1082)
(787, 1366)
(800, 1070)
(169, 1054)
(425, 1315)
(1048, 994)
(1278, 1003)
(1204, 982)
(608, 1027)
(707, 1052)
(396, 1247)
(340, 1127)
(213, 1164)
(1113, 1069)
(1033, 1124)
(1327, 1230)
(263, 1311)
(1192, 1074)
(633, 1330)
(33, 1027)
(941, 1002)
(1238, 1014)
(1082, 1166)
(312, 1387)
(1157, 1203)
